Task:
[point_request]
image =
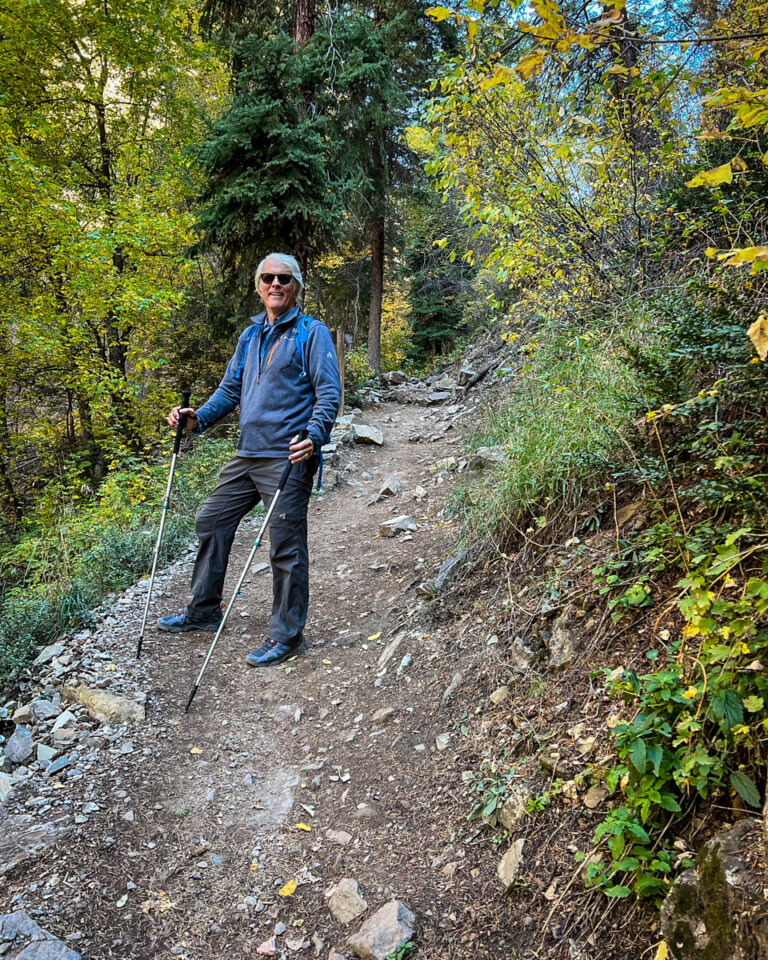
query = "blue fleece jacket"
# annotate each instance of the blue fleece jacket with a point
(276, 400)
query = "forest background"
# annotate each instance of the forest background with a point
(587, 178)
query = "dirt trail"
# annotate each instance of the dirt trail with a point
(188, 828)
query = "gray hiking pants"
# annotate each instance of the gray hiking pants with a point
(243, 482)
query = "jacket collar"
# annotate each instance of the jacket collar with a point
(285, 318)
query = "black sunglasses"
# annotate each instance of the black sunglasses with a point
(282, 278)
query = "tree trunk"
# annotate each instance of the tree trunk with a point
(303, 21)
(377, 289)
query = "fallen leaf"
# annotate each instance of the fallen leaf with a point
(375, 636)
(758, 334)
(196, 750)
(662, 951)
(289, 889)
(110, 666)
(122, 901)
(302, 826)
(328, 662)
(254, 866)
(268, 948)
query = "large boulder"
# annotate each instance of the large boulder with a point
(716, 910)
(106, 707)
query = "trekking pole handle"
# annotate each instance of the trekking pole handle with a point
(185, 395)
(289, 466)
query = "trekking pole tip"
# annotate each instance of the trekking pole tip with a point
(191, 698)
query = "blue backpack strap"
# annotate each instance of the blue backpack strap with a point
(248, 337)
(302, 335)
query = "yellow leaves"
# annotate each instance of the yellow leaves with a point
(303, 826)
(758, 334)
(712, 178)
(288, 890)
(196, 750)
(375, 636)
(501, 76)
(160, 903)
(757, 256)
(439, 13)
(662, 951)
(530, 64)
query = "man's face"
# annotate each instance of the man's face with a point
(277, 296)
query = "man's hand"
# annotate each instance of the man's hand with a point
(173, 417)
(300, 450)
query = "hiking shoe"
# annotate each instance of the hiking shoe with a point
(273, 652)
(180, 623)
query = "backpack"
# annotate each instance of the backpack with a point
(302, 335)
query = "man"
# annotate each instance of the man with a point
(285, 377)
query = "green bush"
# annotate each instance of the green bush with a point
(78, 547)
(560, 427)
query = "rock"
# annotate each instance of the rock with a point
(335, 955)
(19, 747)
(465, 375)
(513, 809)
(594, 797)
(401, 524)
(444, 463)
(510, 863)
(345, 902)
(48, 653)
(23, 837)
(6, 786)
(393, 484)
(57, 766)
(384, 714)
(519, 657)
(63, 720)
(452, 687)
(499, 695)
(366, 434)
(339, 836)
(268, 948)
(45, 754)
(22, 939)
(385, 932)
(716, 910)
(561, 644)
(438, 396)
(449, 568)
(419, 492)
(394, 377)
(486, 457)
(44, 710)
(443, 741)
(390, 650)
(23, 714)
(106, 707)
(444, 383)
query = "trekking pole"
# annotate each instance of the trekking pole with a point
(185, 395)
(246, 568)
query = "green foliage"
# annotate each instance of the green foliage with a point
(75, 552)
(358, 376)
(491, 787)
(699, 721)
(557, 449)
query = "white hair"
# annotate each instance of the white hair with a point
(289, 264)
